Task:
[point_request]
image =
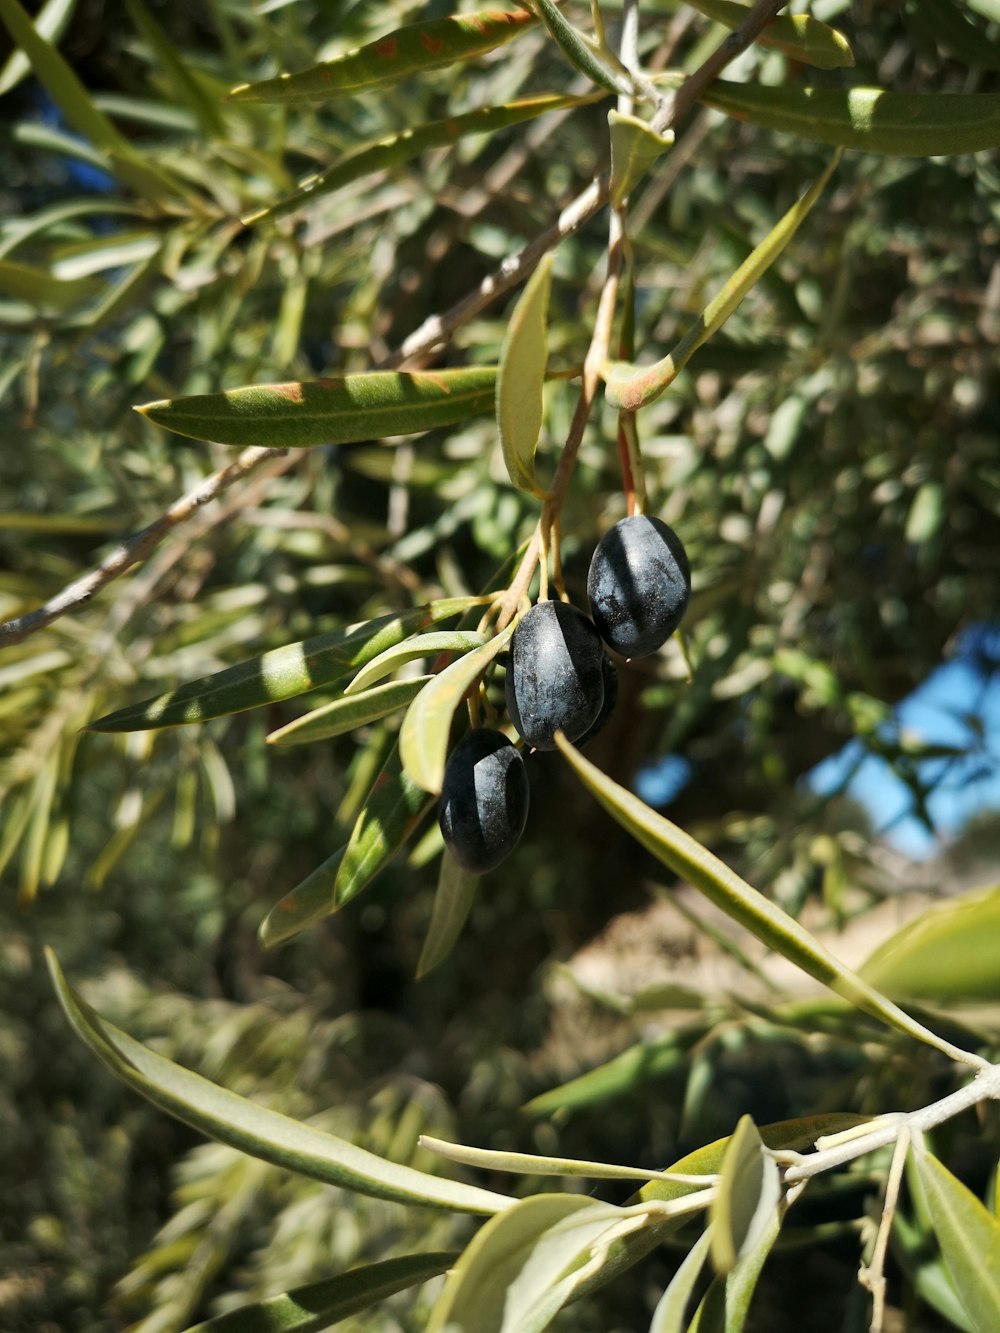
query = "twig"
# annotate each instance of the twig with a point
(872, 1276)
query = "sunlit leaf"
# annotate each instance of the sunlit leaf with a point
(969, 1236)
(257, 1130)
(393, 810)
(348, 713)
(743, 904)
(505, 1280)
(413, 49)
(407, 144)
(948, 953)
(630, 388)
(315, 1307)
(799, 36)
(634, 149)
(333, 411)
(748, 1196)
(456, 892)
(423, 737)
(535, 1164)
(524, 356)
(309, 902)
(282, 673)
(876, 121)
(422, 646)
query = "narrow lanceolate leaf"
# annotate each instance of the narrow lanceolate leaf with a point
(414, 49)
(630, 388)
(524, 356)
(399, 148)
(348, 713)
(743, 904)
(799, 36)
(282, 673)
(331, 411)
(166, 56)
(947, 954)
(534, 1164)
(501, 1282)
(634, 149)
(726, 1305)
(50, 22)
(747, 1198)
(456, 892)
(896, 124)
(969, 1236)
(580, 51)
(319, 1305)
(670, 1315)
(423, 737)
(39, 288)
(303, 906)
(256, 1130)
(393, 810)
(427, 646)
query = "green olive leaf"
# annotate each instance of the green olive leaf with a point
(50, 22)
(255, 1129)
(319, 1305)
(413, 49)
(670, 1315)
(348, 712)
(407, 144)
(747, 1199)
(368, 406)
(876, 121)
(798, 36)
(582, 53)
(969, 1236)
(282, 673)
(524, 356)
(309, 902)
(424, 645)
(456, 892)
(726, 1305)
(634, 149)
(630, 388)
(948, 953)
(743, 904)
(423, 737)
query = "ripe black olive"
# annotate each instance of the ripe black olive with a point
(554, 675)
(639, 585)
(484, 800)
(609, 674)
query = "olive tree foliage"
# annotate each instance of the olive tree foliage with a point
(414, 308)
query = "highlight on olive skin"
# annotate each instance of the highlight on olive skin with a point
(555, 678)
(484, 800)
(639, 585)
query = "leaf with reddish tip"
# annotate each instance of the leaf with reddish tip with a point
(331, 411)
(413, 49)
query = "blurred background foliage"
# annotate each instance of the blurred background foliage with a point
(831, 464)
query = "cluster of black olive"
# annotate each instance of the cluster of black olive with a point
(559, 678)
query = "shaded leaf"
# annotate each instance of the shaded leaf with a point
(413, 49)
(188, 89)
(631, 388)
(726, 1305)
(257, 1130)
(582, 53)
(407, 144)
(634, 149)
(899, 124)
(393, 810)
(330, 411)
(524, 356)
(743, 904)
(282, 673)
(423, 737)
(453, 899)
(671, 1309)
(424, 645)
(948, 953)
(969, 1236)
(619, 1076)
(50, 23)
(748, 1197)
(348, 713)
(309, 902)
(38, 287)
(799, 36)
(319, 1305)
